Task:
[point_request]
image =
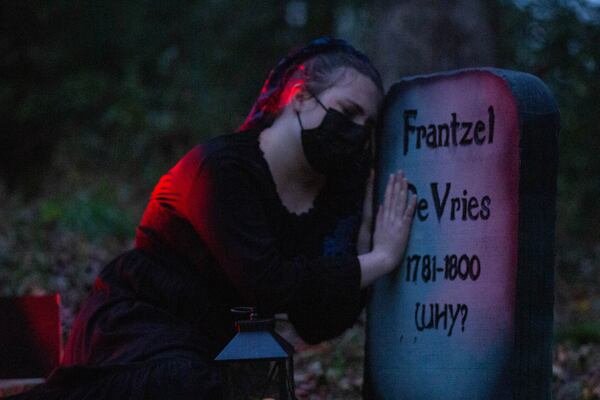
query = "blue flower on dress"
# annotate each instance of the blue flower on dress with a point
(342, 241)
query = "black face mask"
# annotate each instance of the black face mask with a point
(337, 145)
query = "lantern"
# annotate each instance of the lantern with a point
(257, 363)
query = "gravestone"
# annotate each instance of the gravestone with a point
(468, 315)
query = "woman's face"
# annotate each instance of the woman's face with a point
(353, 94)
(357, 98)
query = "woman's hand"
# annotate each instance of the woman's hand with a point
(392, 226)
(394, 219)
(363, 244)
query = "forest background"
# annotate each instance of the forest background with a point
(99, 98)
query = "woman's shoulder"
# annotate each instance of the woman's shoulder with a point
(220, 151)
(228, 159)
(231, 144)
(234, 150)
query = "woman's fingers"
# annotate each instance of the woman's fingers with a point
(397, 193)
(387, 197)
(413, 204)
(402, 200)
(396, 198)
(398, 202)
(392, 199)
(410, 209)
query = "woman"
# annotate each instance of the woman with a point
(272, 216)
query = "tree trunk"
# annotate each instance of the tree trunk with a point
(416, 37)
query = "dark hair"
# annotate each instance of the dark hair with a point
(318, 72)
(316, 66)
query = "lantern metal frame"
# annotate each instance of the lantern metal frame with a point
(256, 340)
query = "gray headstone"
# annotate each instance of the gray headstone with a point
(468, 315)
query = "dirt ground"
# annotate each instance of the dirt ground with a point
(334, 369)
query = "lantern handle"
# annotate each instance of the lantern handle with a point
(248, 313)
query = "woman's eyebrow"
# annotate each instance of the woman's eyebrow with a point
(357, 107)
(353, 107)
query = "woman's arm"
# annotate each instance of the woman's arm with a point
(228, 208)
(394, 219)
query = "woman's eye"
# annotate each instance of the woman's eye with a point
(348, 113)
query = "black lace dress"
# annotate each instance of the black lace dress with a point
(215, 235)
